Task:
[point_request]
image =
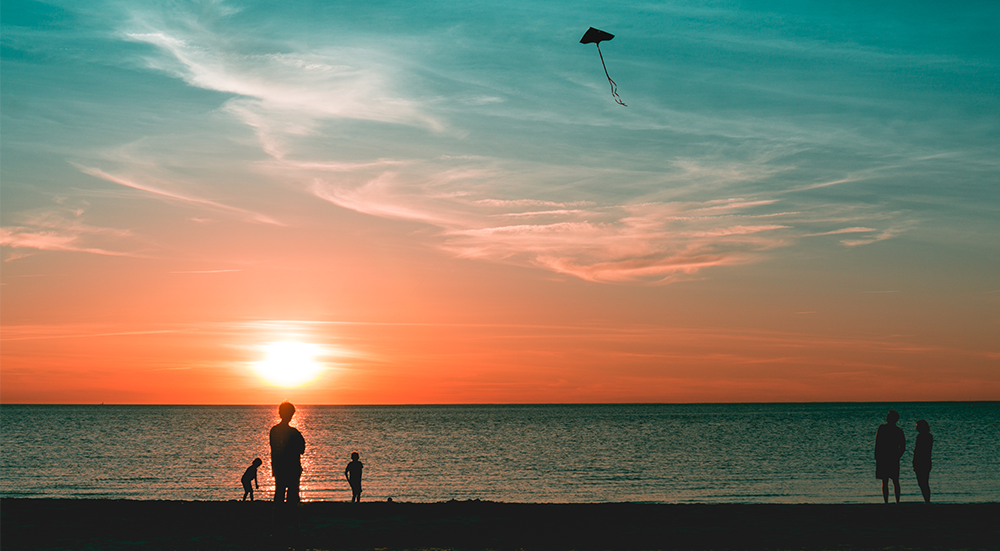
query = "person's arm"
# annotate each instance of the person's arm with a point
(347, 473)
(255, 480)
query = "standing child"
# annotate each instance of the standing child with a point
(248, 476)
(353, 475)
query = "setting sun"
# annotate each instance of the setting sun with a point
(289, 364)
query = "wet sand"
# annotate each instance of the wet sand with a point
(473, 525)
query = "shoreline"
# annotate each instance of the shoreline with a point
(482, 525)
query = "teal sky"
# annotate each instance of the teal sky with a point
(822, 168)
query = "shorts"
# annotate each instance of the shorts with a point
(887, 469)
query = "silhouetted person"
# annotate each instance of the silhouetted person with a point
(890, 443)
(353, 475)
(287, 447)
(922, 458)
(250, 476)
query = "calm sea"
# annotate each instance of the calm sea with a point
(745, 453)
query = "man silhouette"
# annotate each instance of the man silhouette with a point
(287, 447)
(890, 443)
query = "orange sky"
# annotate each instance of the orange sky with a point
(405, 330)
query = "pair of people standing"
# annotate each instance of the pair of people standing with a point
(287, 447)
(890, 443)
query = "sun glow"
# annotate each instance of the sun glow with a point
(289, 364)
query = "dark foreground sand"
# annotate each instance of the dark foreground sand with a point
(472, 525)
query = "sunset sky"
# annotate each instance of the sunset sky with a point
(441, 202)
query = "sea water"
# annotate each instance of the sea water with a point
(702, 453)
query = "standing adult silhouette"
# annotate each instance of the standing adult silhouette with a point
(890, 443)
(287, 447)
(922, 458)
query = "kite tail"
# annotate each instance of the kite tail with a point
(614, 86)
(614, 92)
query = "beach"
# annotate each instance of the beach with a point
(479, 525)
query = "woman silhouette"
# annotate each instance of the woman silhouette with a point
(922, 458)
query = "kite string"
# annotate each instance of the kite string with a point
(614, 86)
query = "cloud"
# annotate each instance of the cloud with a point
(253, 216)
(204, 271)
(530, 203)
(737, 230)
(54, 231)
(881, 236)
(283, 94)
(731, 204)
(597, 239)
(842, 231)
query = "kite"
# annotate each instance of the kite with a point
(596, 36)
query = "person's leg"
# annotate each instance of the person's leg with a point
(895, 486)
(280, 485)
(923, 480)
(293, 488)
(885, 490)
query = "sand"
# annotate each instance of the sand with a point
(473, 525)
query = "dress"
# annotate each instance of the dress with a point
(890, 443)
(922, 453)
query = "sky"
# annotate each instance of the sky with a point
(441, 202)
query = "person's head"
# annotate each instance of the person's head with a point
(257, 462)
(922, 426)
(355, 456)
(892, 417)
(286, 410)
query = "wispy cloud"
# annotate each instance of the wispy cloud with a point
(641, 241)
(731, 204)
(35, 332)
(880, 236)
(61, 230)
(842, 231)
(737, 230)
(204, 271)
(97, 173)
(283, 94)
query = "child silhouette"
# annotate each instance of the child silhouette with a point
(248, 476)
(353, 475)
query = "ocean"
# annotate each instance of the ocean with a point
(651, 453)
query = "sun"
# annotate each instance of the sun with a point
(289, 364)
